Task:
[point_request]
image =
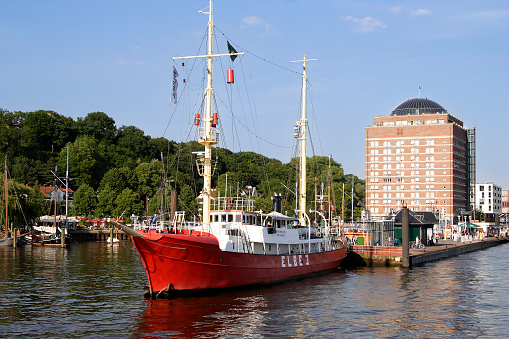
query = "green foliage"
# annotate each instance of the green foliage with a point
(85, 201)
(148, 177)
(116, 170)
(128, 203)
(97, 125)
(10, 135)
(105, 202)
(118, 179)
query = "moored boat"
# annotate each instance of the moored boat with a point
(233, 245)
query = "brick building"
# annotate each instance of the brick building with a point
(422, 157)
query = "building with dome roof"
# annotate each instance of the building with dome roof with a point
(420, 156)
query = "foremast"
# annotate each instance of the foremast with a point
(302, 125)
(207, 136)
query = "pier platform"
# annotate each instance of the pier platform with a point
(359, 256)
(96, 235)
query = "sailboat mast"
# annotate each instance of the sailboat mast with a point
(208, 142)
(67, 190)
(55, 212)
(207, 137)
(303, 137)
(6, 201)
(330, 197)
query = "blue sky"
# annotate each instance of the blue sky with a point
(77, 57)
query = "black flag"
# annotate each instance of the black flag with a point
(231, 50)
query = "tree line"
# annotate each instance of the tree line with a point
(122, 172)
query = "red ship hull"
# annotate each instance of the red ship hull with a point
(181, 262)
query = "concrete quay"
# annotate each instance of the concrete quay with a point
(359, 256)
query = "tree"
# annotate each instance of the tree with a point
(10, 136)
(86, 161)
(85, 201)
(118, 179)
(24, 203)
(128, 203)
(105, 202)
(148, 177)
(47, 130)
(132, 146)
(97, 125)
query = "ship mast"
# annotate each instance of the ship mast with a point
(207, 136)
(303, 157)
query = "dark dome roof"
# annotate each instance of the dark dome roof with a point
(415, 106)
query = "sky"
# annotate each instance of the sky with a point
(78, 57)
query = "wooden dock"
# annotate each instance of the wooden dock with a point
(96, 235)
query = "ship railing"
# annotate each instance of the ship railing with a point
(232, 203)
(201, 135)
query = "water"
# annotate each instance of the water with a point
(93, 290)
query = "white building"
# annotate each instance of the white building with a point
(488, 198)
(505, 202)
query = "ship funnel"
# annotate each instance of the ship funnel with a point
(276, 202)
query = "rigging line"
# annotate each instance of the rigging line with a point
(254, 134)
(230, 100)
(256, 56)
(185, 86)
(314, 118)
(255, 125)
(252, 107)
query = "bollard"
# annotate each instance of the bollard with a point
(405, 236)
(14, 231)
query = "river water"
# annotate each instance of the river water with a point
(94, 290)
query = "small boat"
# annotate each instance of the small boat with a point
(7, 241)
(234, 246)
(115, 240)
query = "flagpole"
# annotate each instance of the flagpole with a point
(419, 91)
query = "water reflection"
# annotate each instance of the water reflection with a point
(96, 290)
(219, 315)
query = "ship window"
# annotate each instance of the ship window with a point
(223, 218)
(237, 218)
(230, 218)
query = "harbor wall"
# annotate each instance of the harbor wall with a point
(455, 250)
(359, 256)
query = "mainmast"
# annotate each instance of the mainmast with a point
(207, 136)
(206, 139)
(303, 157)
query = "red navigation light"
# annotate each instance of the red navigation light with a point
(197, 119)
(229, 76)
(214, 120)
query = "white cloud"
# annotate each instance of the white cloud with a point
(365, 25)
(254, 21)
(422, 12)
(395, 10)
